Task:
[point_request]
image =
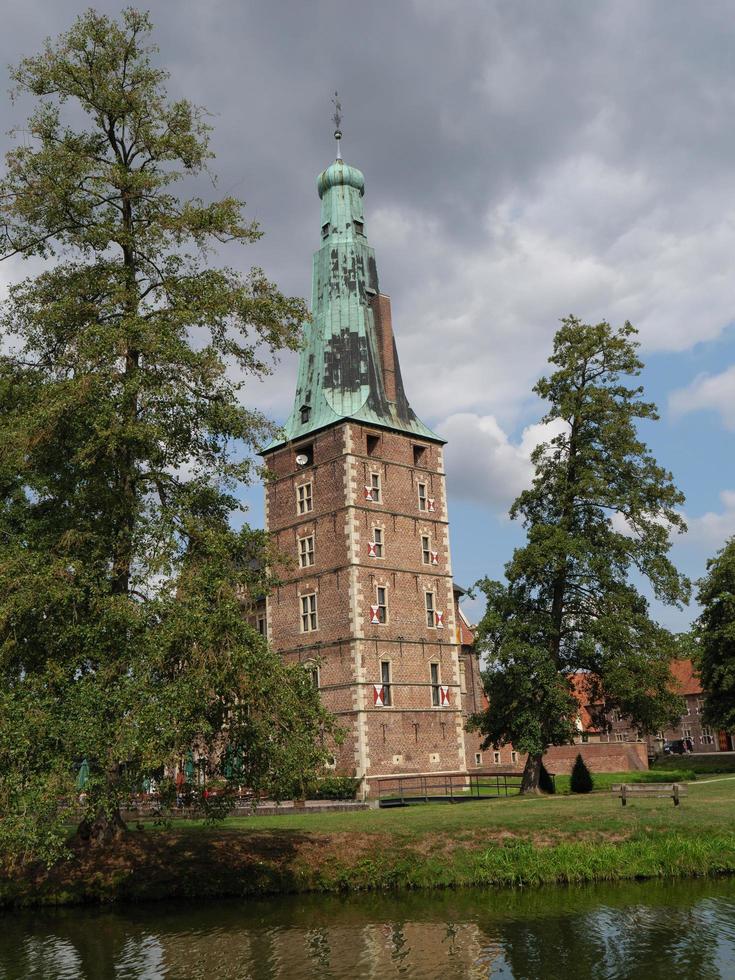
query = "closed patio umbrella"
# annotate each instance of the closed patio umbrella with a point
(83, 775)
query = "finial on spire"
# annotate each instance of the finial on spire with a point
(337, 120)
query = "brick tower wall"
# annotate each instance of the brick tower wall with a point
(412, 735)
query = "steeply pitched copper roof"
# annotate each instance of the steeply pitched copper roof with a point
(340, 367)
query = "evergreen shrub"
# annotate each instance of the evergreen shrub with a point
(581, 780)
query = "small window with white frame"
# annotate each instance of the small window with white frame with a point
(306, 551)
(426, 549)
(686, 733)
(261, 624)
(496, 758)
(304, 498)
(462, 678)
(376, 545)
(312, 670)
(385, 680)
(375, 488)
(707, 736)
(422, 496)
(514, 757)
(430, 609)
(434, 673)
(309, 621)
(381, 604)
(478, 758)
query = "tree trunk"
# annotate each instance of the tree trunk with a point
(532, 774)
(104, 829)
(107, 825)
(122, 559)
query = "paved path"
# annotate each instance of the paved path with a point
(703, 782)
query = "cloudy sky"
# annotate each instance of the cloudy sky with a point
(523, 160)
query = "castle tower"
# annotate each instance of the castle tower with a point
(358, 502)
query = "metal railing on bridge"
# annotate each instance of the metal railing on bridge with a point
(446, 787)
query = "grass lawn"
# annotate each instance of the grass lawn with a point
(709, 806)
(520, 840)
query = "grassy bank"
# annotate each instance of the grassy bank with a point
(502, 842)
(715, 762)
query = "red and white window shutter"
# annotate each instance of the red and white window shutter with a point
(443, 696)
(434, 557)
(368, 493)
(378, 696)
(439, 619)
(430, 504)
(375, 615)
(371, 550)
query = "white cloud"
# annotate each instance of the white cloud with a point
(483, 465)
(528, 166)
(475, 323)
(711, 530)
(708, 391)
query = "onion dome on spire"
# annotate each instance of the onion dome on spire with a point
(340, 174)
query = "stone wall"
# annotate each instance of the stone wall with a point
(599, 757)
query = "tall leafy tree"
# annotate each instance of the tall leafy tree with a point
(600, 510)
(122, 581)
(715, 632)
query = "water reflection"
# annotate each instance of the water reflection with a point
(650, 930)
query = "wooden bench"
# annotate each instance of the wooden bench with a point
(628, 791)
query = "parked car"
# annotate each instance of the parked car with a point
(676, 746)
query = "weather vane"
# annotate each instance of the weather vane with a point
(337, 120)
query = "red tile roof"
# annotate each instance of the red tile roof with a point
(580, 688)
(466, 633)
(686, 680)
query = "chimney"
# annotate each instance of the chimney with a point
(380, 304)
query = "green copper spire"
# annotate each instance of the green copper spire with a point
(348, 367)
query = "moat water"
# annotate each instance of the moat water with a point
(648, 930)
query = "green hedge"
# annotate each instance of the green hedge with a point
(337, 788)
(712, 762)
